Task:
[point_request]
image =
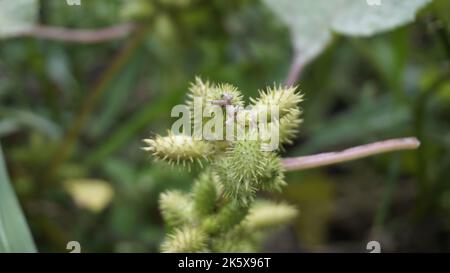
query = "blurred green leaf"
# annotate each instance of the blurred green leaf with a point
(17, 16)
(14, 233)
(441, 7)
(357, 124)
(14, 119)
(131, 127)
(117, 97)
(8, 126)
(314, 195)
(312, 22)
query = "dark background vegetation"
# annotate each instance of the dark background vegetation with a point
(359, 90)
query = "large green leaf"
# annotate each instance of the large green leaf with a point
(312, 22)
(17, 16)
(14, 233)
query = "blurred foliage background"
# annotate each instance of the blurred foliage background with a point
(72, 117)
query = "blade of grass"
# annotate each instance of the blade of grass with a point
(386, 201)
(419, 112)
(15, 235)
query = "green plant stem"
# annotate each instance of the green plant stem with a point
(72, 135)
(419, 113)
(386, 200)
(441, 30)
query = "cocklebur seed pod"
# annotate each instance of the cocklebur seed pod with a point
(186, 239)
(199, 88)
(273, 176)
(226, 218)
(206, 99)
(176, 208)
(285, 98)
(205, 193)
(265, 214)
(241, 191)
(245, 168)
(288, 126)
(227, 93)
(246, 160)
(179, 149)
(209, 94)
(236, 241)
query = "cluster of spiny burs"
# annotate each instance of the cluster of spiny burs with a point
(221, 213)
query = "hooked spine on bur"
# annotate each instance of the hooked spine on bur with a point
(222, 213)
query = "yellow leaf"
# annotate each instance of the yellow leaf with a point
(91, 194)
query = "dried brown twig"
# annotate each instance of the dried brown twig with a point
(86, 36)
(324, 159)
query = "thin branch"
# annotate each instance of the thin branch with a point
(324, 159)
(87, 36)
(295, 70)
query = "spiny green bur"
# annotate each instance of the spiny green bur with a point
(221, 214)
